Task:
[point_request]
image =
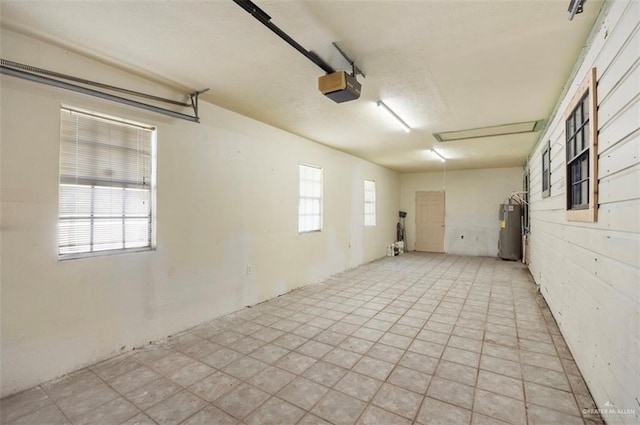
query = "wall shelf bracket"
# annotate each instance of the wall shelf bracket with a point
(194, 101)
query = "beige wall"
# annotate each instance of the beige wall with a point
(226, 198)
(589, 273)
(472, 199)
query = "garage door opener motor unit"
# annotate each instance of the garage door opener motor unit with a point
(339, 86)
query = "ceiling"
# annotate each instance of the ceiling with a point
(441, 65)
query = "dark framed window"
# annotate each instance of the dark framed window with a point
(546, 170)
(578, 147)
(525, 188)
(581, 152)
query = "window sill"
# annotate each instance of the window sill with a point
(587, 214)
(306, 232)
(66, 257)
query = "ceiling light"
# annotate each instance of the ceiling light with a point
(440, 157)
(496, 130)
(399, 120)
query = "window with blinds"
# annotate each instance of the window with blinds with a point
(106, 180)
(310, 199)
(369, 203)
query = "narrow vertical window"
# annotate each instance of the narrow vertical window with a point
(525, 188)
(310, 199)
(578, 156)
(581, 151)
(546, 170)
(105, 187)
(369, 203)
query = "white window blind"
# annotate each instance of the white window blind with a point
(105, 194)
(310, 199)
(369, 203)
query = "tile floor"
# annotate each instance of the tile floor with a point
(416, 339)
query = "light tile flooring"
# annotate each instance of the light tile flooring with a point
(416, 339)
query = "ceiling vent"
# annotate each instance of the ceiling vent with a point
(496, 130)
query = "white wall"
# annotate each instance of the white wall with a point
(226, 198)
(472, 200)
(589, 272)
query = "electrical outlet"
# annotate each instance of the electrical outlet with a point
(249, 269)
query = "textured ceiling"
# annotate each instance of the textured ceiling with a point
(441, 65)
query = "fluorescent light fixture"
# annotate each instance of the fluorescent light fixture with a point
(399, 120)
(496, 130)
(440, 157)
